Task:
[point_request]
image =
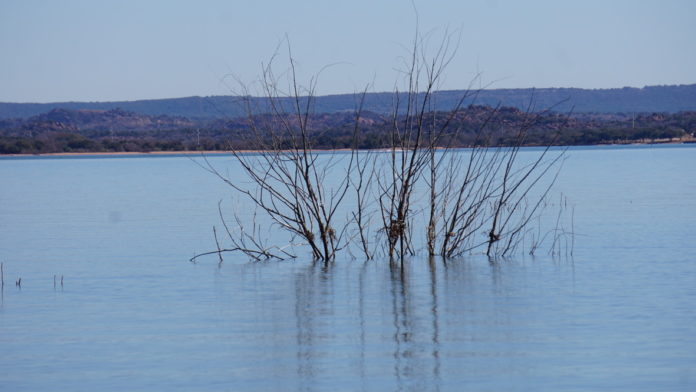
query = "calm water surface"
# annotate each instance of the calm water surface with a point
(134, 314)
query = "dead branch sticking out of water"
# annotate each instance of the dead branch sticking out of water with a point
(246, 242)
(489, 189)
(290, 181)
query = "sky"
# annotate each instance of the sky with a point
(111, 50)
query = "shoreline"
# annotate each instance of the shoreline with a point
(217, 152)
(149, 153)
(115, 153)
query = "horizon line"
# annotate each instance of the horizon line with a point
(341, 94)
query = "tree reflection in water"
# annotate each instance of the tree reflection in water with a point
(358, 322)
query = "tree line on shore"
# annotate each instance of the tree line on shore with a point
(119, 131)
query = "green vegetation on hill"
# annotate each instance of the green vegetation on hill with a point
(64, 130)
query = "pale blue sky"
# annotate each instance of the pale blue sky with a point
(92, 50)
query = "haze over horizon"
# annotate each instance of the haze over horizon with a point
(230, 94)
(79, 50)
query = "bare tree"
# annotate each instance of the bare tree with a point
(248, 241)
(414, 137)
(486, 188)
(493, 190)
(289, 179)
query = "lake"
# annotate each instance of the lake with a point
(132, 313)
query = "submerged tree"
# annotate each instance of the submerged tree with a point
(289, 178)
(486, 189)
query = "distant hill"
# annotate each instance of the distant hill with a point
(669, 99)
(68, 120)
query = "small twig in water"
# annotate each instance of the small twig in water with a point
(217, 244)
(572, 230)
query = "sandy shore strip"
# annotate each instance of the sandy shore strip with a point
(134, 154)
(687, 140)
(157, 153)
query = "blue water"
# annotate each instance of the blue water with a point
(134, 314)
